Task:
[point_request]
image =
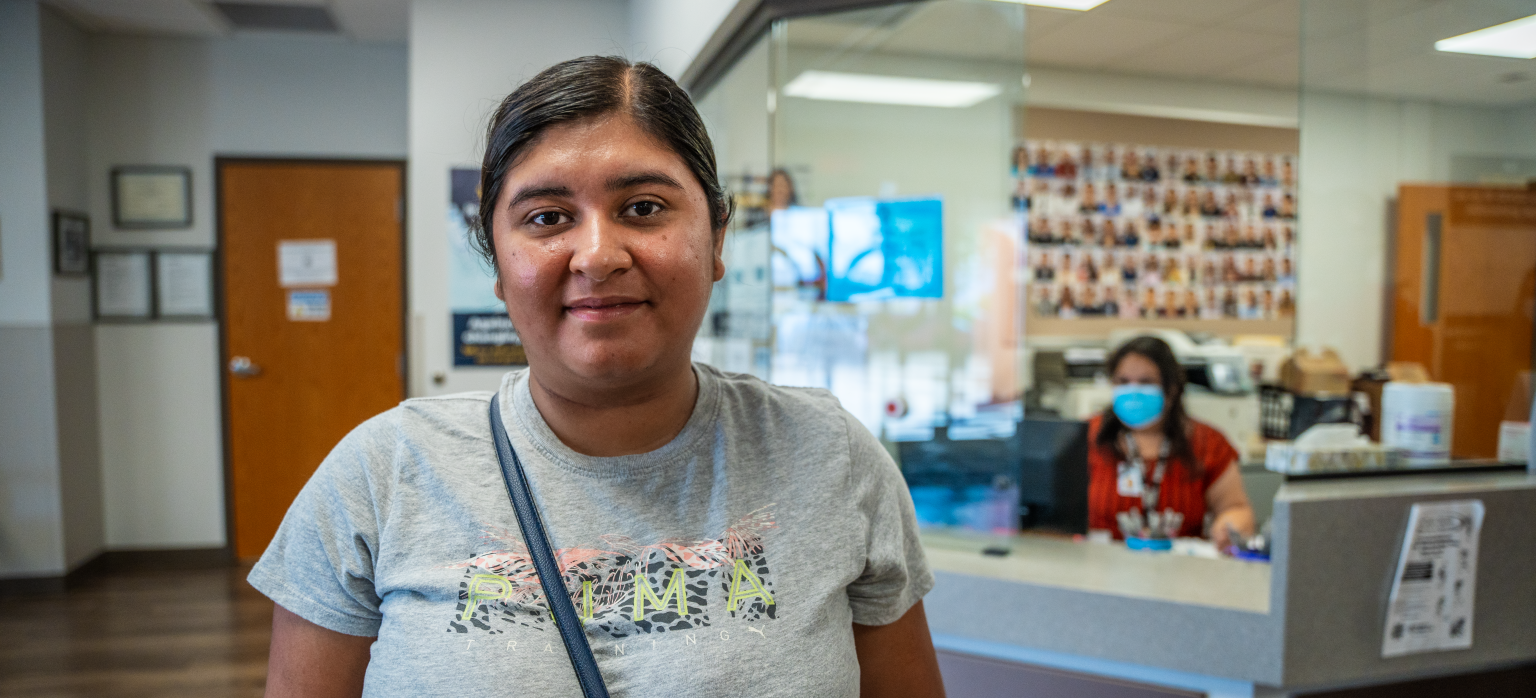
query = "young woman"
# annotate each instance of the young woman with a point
(719, 536)
(1146, 452)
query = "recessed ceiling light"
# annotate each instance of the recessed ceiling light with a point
(1516, 39)
(886, 89)
(1061, 4)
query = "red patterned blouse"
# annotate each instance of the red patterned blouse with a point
(1183, 490)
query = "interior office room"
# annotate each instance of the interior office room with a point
(1304, 230)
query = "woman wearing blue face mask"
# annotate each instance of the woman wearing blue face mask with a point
(1146, 453)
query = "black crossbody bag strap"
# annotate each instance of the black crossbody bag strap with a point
(555, 593)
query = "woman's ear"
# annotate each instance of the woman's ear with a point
(496, 287)
(719, 255)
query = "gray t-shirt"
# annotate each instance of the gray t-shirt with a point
(732, 561)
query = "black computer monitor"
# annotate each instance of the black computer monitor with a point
(1046, 459)
(1053, 475)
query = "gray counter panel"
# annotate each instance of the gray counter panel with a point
(1336, 544)
(1335, 594)
(1183, 637)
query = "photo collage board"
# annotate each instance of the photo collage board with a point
(1136, 231)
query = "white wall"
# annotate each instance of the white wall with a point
(66, 54)
(23, 203)
(669, 33)
(31, 516)
(466, 55)
(162, 454)
(1354, 153)
(182, 102)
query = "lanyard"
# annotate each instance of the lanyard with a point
(1150, 491)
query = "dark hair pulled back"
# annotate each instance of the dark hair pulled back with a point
(1176, 424)
(588, 87)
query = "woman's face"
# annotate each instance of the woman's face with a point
(605, 254)
(1136, 369)
(781, 192)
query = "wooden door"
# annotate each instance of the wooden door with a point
(1464, 292)
(306, 362)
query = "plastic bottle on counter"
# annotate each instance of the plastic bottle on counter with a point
(1417, 418)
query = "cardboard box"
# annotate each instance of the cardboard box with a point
(1309, 373)
(1407, 372)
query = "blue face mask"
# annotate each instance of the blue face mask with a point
(1138, 406)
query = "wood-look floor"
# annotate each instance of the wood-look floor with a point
(138, 633)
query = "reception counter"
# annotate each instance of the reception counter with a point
(1310, 620)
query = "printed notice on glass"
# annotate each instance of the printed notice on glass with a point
(306, 263)
(1431, 605)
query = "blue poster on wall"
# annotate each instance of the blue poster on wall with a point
(885, 249)
(482, 333)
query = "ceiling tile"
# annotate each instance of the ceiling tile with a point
(1194, 13)
(1042, 20)
(1277, 69)
(1094, 41)
(968, 30)
(1204, 52)
(1280, 17)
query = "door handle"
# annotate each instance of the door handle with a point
(242, 366)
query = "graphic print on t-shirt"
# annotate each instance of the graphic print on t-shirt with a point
(627, 587)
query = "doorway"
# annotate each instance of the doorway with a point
(313, 280)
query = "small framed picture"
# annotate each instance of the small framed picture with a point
(71, 244)
(151, 196)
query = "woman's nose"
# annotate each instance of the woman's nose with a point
(601, 250)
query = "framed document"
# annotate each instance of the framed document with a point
(183, 284)
(146, 197)
(71, 244)
(123, 289)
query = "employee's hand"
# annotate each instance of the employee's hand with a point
(1239, 519)
(1227, 498)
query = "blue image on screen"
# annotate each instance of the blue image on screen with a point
(885, 249)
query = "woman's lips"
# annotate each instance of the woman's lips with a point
(603, 309)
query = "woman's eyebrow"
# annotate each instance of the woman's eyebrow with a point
(538, 192)
(622, 182)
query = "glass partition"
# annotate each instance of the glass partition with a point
(737, 333)
(932, 252)
(1419, 182)
(895, 246)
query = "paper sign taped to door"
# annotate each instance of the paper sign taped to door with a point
(1431, 605)
(306, 263)
(309, 306)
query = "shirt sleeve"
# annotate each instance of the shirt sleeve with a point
(320, 564)
(1215, 453)
(895, 575)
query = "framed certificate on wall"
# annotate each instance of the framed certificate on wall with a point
(151, 196)
(124, 287)
(183, 284)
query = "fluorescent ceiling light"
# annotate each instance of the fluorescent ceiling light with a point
(1061, 4)
(886, 89)
(1516, 39)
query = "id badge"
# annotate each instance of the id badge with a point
(1129, 482)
